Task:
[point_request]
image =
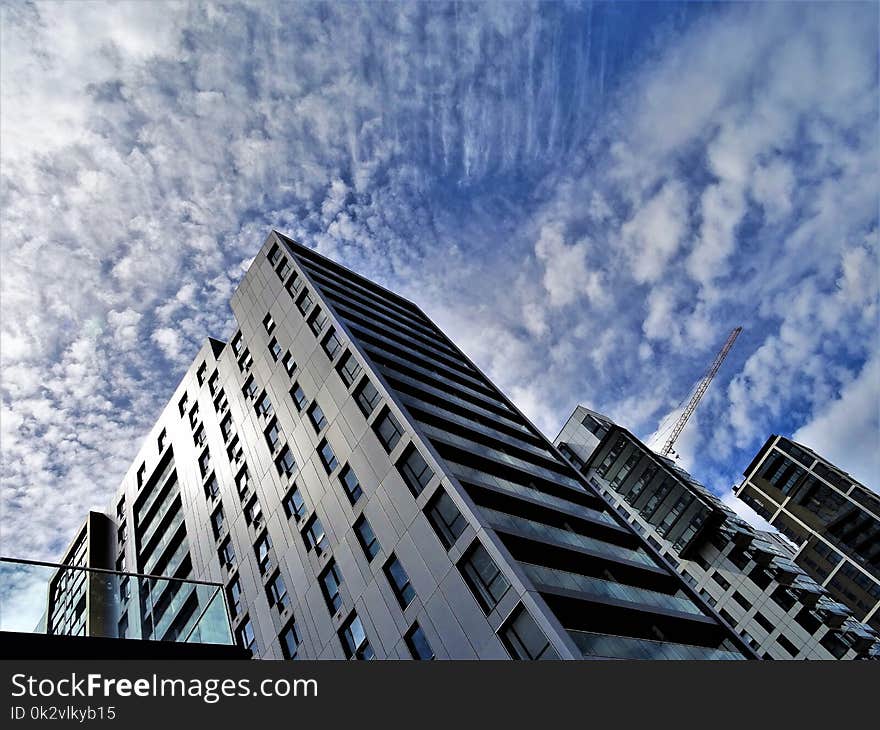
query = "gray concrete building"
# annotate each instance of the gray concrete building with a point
(362, 490)
(749, 575)
(832, 519)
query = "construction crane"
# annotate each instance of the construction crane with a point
(699, 392)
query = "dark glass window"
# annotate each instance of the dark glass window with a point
(331, 343)
(354, 639)
(414, 470)
(289, 363)
(742, 600)
(313, 535)
(316, 416)
(249, 390)
(268, 323)
(246, 638)
(242, 479)
(253, 513)
(298, 396)
(388, 430)
(523, 639)
(763, 622)
(399, 581)
(807, 620)
(217, 521)
(367, 397)
(200, 373)
(294, 504)
(142, 474)
(783, 598)
(246, 361)
(304, 302)
(204, 463)
(834, 644)
(283, 269)
(261, 550)
(367, 538)
(226, 427)
(328, 458)
(237, 344)
(274, 255)
(163, 440)
(348, 369)
(417, 643)
(289, 640)
(720, 580)
(317, 320)
(274, 349)
(293, 284)
(233, 592)
(331, 581)
(350, 484)
(226, 553)
(483, 576)
(263, 406)
(786, 644)
(182, 404)
(273, 436)
(285, 463)
(199, 436)
(445, 518)
(276, 592)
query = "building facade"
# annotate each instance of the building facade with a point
(748, 575)
(833, 520)
(363, 490)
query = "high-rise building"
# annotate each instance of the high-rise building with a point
(748, 575)
(363, 490)
(833, 520)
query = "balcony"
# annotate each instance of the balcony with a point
(624, 647)
(58, 609)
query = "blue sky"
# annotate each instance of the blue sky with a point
(586, 197)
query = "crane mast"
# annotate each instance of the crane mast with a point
(699, 392)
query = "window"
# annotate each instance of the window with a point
(350, 484)
(417, 643)
(354, 639)
(328, 458)
(399, 580)
(783, 598)
(263, 406)
(348, 369)
(261, 550)
(253, 513)
(720, 580)
(249, 390)
(304, 303)
(445, 518)
(163, 440)
(226, 427)
(834, 644)
(285, 463)
(199, 436)
(213, 382)
(246, 361)
(274, 349)
(317, 321)
(268, 323)
(298, 396)
(414, 470)
(283, 269)
(141, 475)
(367, 397)
(233, 594)
(388, 430)
(237, 344)
(331, 343)
(183, 404)
(226, 553)
(212, 487)
(276, 593)
(294, 504)
(742, 600)
(764, 623)
(523, 639)
(313, 535)
(274, 255)
(331, 581)
(246, 638)
(273, 435)
(760, 577)
(316, 416)
(483, 576)
(200, 373)
(807, 620)
(367, 538)
(194, 415)
(205, 462)
(293, 284)
(221, 404)
(289, 640)
(289, 363)
(786, 644)
(242, 480)
(122, 627)
(217, 521)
